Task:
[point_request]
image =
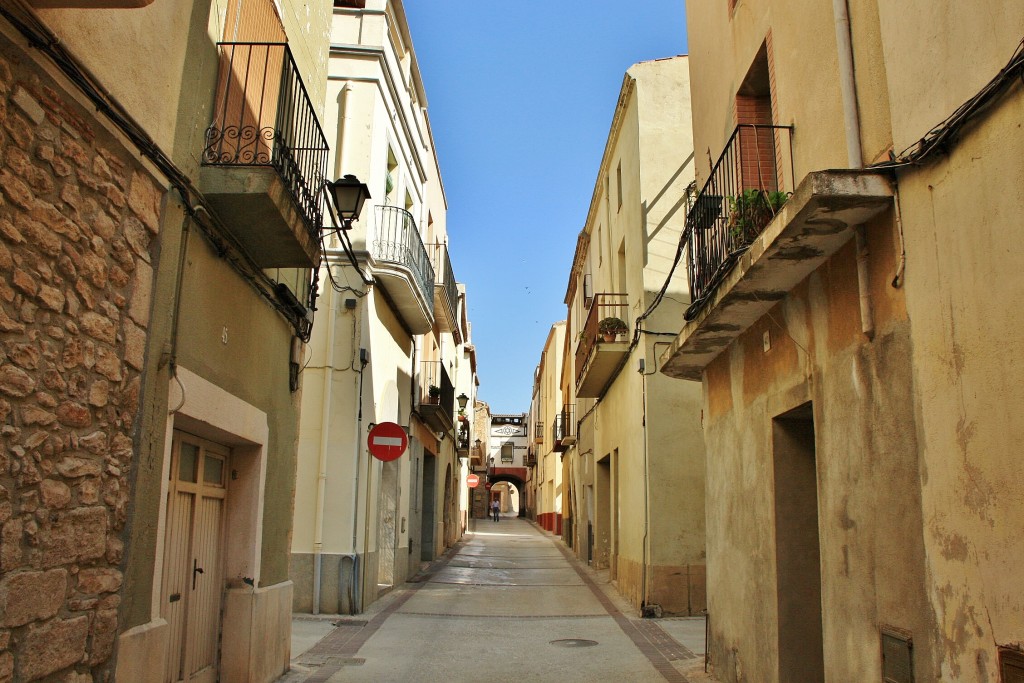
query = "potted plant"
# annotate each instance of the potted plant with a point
(751, 211)
(611, 327)
(434, 392)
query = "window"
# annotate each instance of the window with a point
(618, 182)
(507, 452)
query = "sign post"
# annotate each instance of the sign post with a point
(387, 441)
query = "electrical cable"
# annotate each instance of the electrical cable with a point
(942, 136)
(40, 37)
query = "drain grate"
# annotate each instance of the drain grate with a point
(573, 642)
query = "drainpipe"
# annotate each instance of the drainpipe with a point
(321, 469)
(340, 164)
(851, 121)
(357, 592)
(647, 497)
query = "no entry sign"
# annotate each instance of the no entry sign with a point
(387, 441)
(472, 481)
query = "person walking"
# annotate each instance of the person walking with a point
(495, 509)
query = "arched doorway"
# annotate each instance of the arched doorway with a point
(512, 492)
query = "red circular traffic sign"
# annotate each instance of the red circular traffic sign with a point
(472, 481)
(487, 486)
(387, 441)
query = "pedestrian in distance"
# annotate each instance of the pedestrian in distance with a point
(495, 509)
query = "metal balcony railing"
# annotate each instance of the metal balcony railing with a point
(399, 242)
(607, 305)
(444, 276)
(749, 183)
(565, 424)
(263, 117)
(438, 389)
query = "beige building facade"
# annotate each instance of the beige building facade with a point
(544, 461)
(393, 343)
(861, 524)
(629, 442)
(156, 292)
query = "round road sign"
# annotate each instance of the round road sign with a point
(472, 481)
(387, 441)
(487, 486)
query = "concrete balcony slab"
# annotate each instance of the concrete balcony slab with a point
(255, 205)
(814, 224)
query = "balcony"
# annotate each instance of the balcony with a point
(265, 158)
(402, 267)
(598, 358)
(462, 441)
(743, 257)
(446, 291)
(437, 404)
(538, 433)
(745, 190)
(564, 430)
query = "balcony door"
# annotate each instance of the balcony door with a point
(252, 61)
(754, 107)
(253, 21)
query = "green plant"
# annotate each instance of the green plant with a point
(434, 391)
(752, 210)
(611, 325)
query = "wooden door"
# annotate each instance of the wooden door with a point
(193, 559)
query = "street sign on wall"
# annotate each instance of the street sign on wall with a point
(472, 481)
(387, 441)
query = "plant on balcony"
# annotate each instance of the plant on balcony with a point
(751, 211)
(434, 393)
(611, 327)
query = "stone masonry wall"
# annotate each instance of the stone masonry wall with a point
(78, 226)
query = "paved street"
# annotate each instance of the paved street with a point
(508, 603)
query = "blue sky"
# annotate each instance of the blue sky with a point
(520, 97)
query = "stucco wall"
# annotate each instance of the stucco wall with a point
(869, 516)
(963, 287)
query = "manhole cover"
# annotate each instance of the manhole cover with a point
(573, 642)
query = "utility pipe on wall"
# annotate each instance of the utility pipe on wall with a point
(357, 343)
(851, 122)
(321, 469)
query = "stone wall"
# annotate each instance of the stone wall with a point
(78, 226)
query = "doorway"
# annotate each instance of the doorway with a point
(429, 503)
(193, 558)
(602, 514)
(797, 551)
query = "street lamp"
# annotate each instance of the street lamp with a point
(463, 400)
(348, 195)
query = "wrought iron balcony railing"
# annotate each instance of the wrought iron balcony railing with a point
(263, 117)
(749, 183)
(437, 387)
(564, 427)
(606, 305)
(444, 274)
(399, 242)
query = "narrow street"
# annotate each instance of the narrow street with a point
(505, 604)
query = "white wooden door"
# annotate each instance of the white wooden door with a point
(193, 562)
